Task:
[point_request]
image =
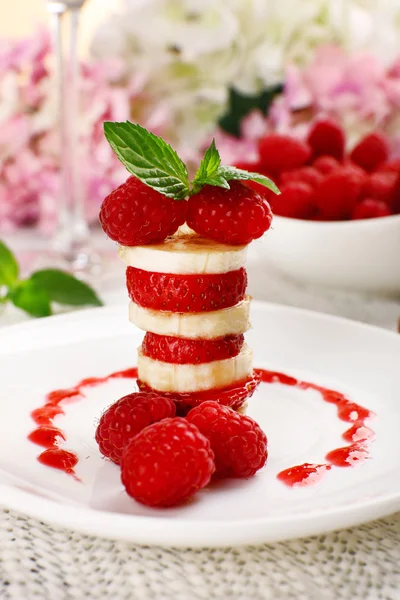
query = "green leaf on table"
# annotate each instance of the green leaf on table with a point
(149, 158)
(64, 288)
(9, 269)
(28, 296)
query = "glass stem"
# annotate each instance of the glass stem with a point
(79, 228)
(72, 239)
(56, 11)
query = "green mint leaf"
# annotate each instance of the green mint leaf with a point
(208, 167)
(149, 158)
(64, 288)
(9, 269)
(229, 173)
(218, 181)
(28, 296)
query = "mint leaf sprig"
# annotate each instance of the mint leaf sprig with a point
(36, 294)
(211, 172)
(157, 165)
(149, 158)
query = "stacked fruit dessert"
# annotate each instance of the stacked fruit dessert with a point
(184, 245)
(189, 294)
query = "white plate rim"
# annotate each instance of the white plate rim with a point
(161, 531)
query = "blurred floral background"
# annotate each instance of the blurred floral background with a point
(189, 70)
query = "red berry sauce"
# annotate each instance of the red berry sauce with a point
(59, 459)
(233, 396)
(302, 475)
(348, 456)
(46, 436)
(358, 434)
(49, 436)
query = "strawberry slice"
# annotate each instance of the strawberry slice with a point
(184, 351)
(282, 153)
(371, 151)
(234, 396)
(186, 293)
(326, 138)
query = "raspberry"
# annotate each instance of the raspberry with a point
(370, 208)
(233, 396)
(349, 165)
(337, 195)
(124, 419)
(296, 201)
(238, 442)
(326, 138)
(186, 293)
(283, 153)
(135, 214)
(381, 185)
(371, 151)
(235, 216)
(392, 165)
(184, 351)
(395, 198)
(309, 175)
(326, 164)
(257, 167)
(260, 188)
(167, 463)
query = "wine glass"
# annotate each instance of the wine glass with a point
(72, 241)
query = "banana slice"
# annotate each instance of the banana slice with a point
(205, 325)
(168, 377)
(184, 254)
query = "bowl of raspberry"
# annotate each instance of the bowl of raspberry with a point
(337, 220)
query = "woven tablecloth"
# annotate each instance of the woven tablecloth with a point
(43, 562)
(38, 561)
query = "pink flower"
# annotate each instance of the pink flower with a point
(297, 93)
(253, 126)
(233, 150)
(358, 91)
(324, 73)
(339, 84)
(19, 55)
(29, 142)
(24, 182)
(14, 135)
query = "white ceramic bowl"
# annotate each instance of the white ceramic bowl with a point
(362, 255)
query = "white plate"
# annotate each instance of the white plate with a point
(353, 358)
